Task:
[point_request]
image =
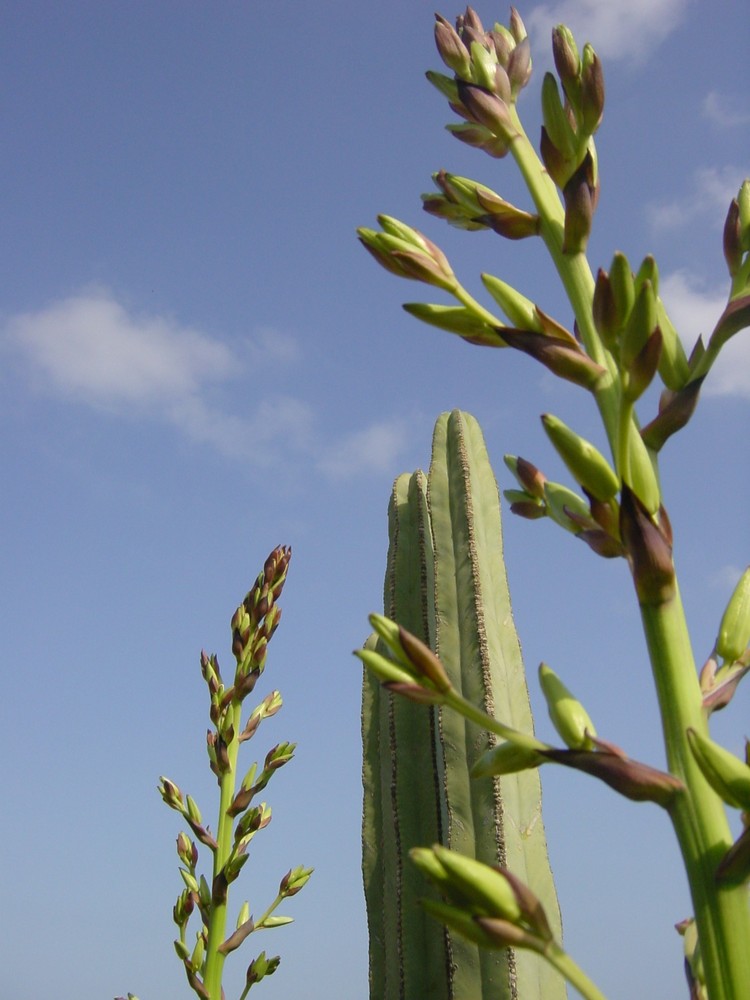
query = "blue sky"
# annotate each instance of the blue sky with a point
(200, 363)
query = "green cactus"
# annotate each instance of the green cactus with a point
(446, 583)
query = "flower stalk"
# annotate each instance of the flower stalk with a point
(624, 341)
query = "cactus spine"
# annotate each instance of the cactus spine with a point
(446, 583)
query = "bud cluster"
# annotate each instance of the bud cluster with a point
(468, 205)
(490, 69)
(406, 252)
(411, 669)
(596, 519)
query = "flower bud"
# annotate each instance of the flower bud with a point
(530, 478)
(506, 758)
(520, 311)
(452, 50)
(675, 409)
(592, 91)
(586, 463)
(726, 774)
(623, 287)
(567, 61)
(562, 502)
(556, 121)
(458, 320)
(483, 887)
(640, 325)
(734, 630)
(640, 473)
(568, 715)
(673, 365)
(563, 359)
(487, 109)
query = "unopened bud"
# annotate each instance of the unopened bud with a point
(569, 717)
(726, 774)
(586, 463)
(592, 91)
(734, 630)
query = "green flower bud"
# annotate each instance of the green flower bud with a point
(643, 367)
(261, 967)
(520, 311)
(673, 364)
(640, 325)
(623, 287)
(743, 202)
(196, 959)
(484, 888)
(519, 67)
(506, 758)
(458, 320)
(586, 463)
(294, 880)
(556, 121)
(243, 916)
(568, 715)
(726, 774)
(562, 502)
(734, 630)
(640, 474)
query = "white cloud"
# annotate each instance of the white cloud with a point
(376, 448)
(711, 191)
(90, 349)
(618, 29)
(694, 311)
(724, 111)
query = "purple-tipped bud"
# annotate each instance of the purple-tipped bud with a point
(567, 59)
(643, 367)
(487, 109)
(630, 778)
(563, 359)
(452, 49)
(648, 550)
(732, 238)
(519, 67)
(592, 91)
(675, 409)
(580, 194)
(604, 310)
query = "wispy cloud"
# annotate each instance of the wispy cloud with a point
(724, 110)
(694, 309)
(91, 350)
(618, 29)
(709, 194)
(375, 448)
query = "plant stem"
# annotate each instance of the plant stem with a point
(571, 971)
(698, 816)
(217, 924)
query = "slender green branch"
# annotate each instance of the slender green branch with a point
(572, 972)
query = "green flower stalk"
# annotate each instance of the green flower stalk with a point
(240, 817)
(624, 342)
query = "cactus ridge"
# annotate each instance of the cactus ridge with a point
(445, 582)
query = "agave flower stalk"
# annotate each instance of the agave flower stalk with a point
(239, 817)
(624, 341)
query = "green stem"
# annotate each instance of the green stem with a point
(698, 816)
(572, 972)
(573, 269)
(217, 924)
